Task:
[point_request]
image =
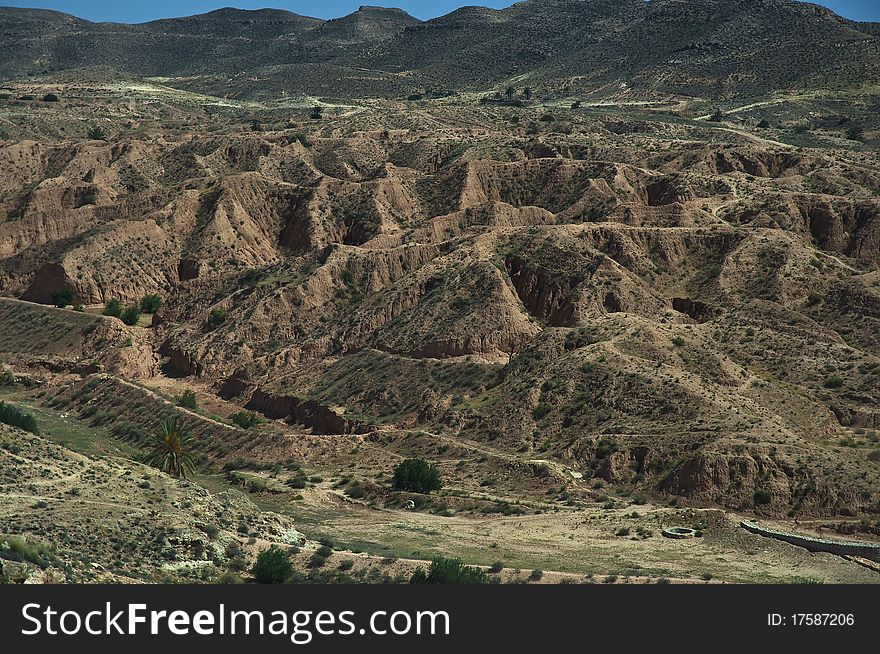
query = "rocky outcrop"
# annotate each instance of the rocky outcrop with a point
(50, 278)
(696, 310)
(179, 363)
(321, 419)
(761, 483)
(547, 296)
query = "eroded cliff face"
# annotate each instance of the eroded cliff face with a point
(319, 418)
(770, 484)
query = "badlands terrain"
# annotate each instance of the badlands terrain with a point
(599, 316)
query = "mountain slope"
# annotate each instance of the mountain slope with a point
(688, 47)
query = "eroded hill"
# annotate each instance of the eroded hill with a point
(676, 307)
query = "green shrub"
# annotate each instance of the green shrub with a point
(131, 315)
(62, 297)
(302, 138)
(12, 415)
(540, 411)
(319, 558)
(835, 381)
(449, 571)
(187, 400)
(416, 476)
(151, 303)
(113, 308)
(216, 318)
(762, 496)
(17, 548)
(246, 419)
(355, 491)
(96, 134)
(855, 133)
(229, 578)
(536, 575)
(496, 567)
(273, 566)
(50, 97)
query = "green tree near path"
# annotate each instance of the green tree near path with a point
(170, 452)
(62, 297)
(417, 476)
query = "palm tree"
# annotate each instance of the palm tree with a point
(527, 93)
(170, 451)
(509, 92)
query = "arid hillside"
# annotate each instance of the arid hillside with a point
(611, 267)
(681, 307)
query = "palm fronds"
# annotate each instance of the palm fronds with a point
(171, 449)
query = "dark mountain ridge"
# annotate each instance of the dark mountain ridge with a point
(715, 48)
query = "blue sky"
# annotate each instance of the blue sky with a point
(136, 11)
